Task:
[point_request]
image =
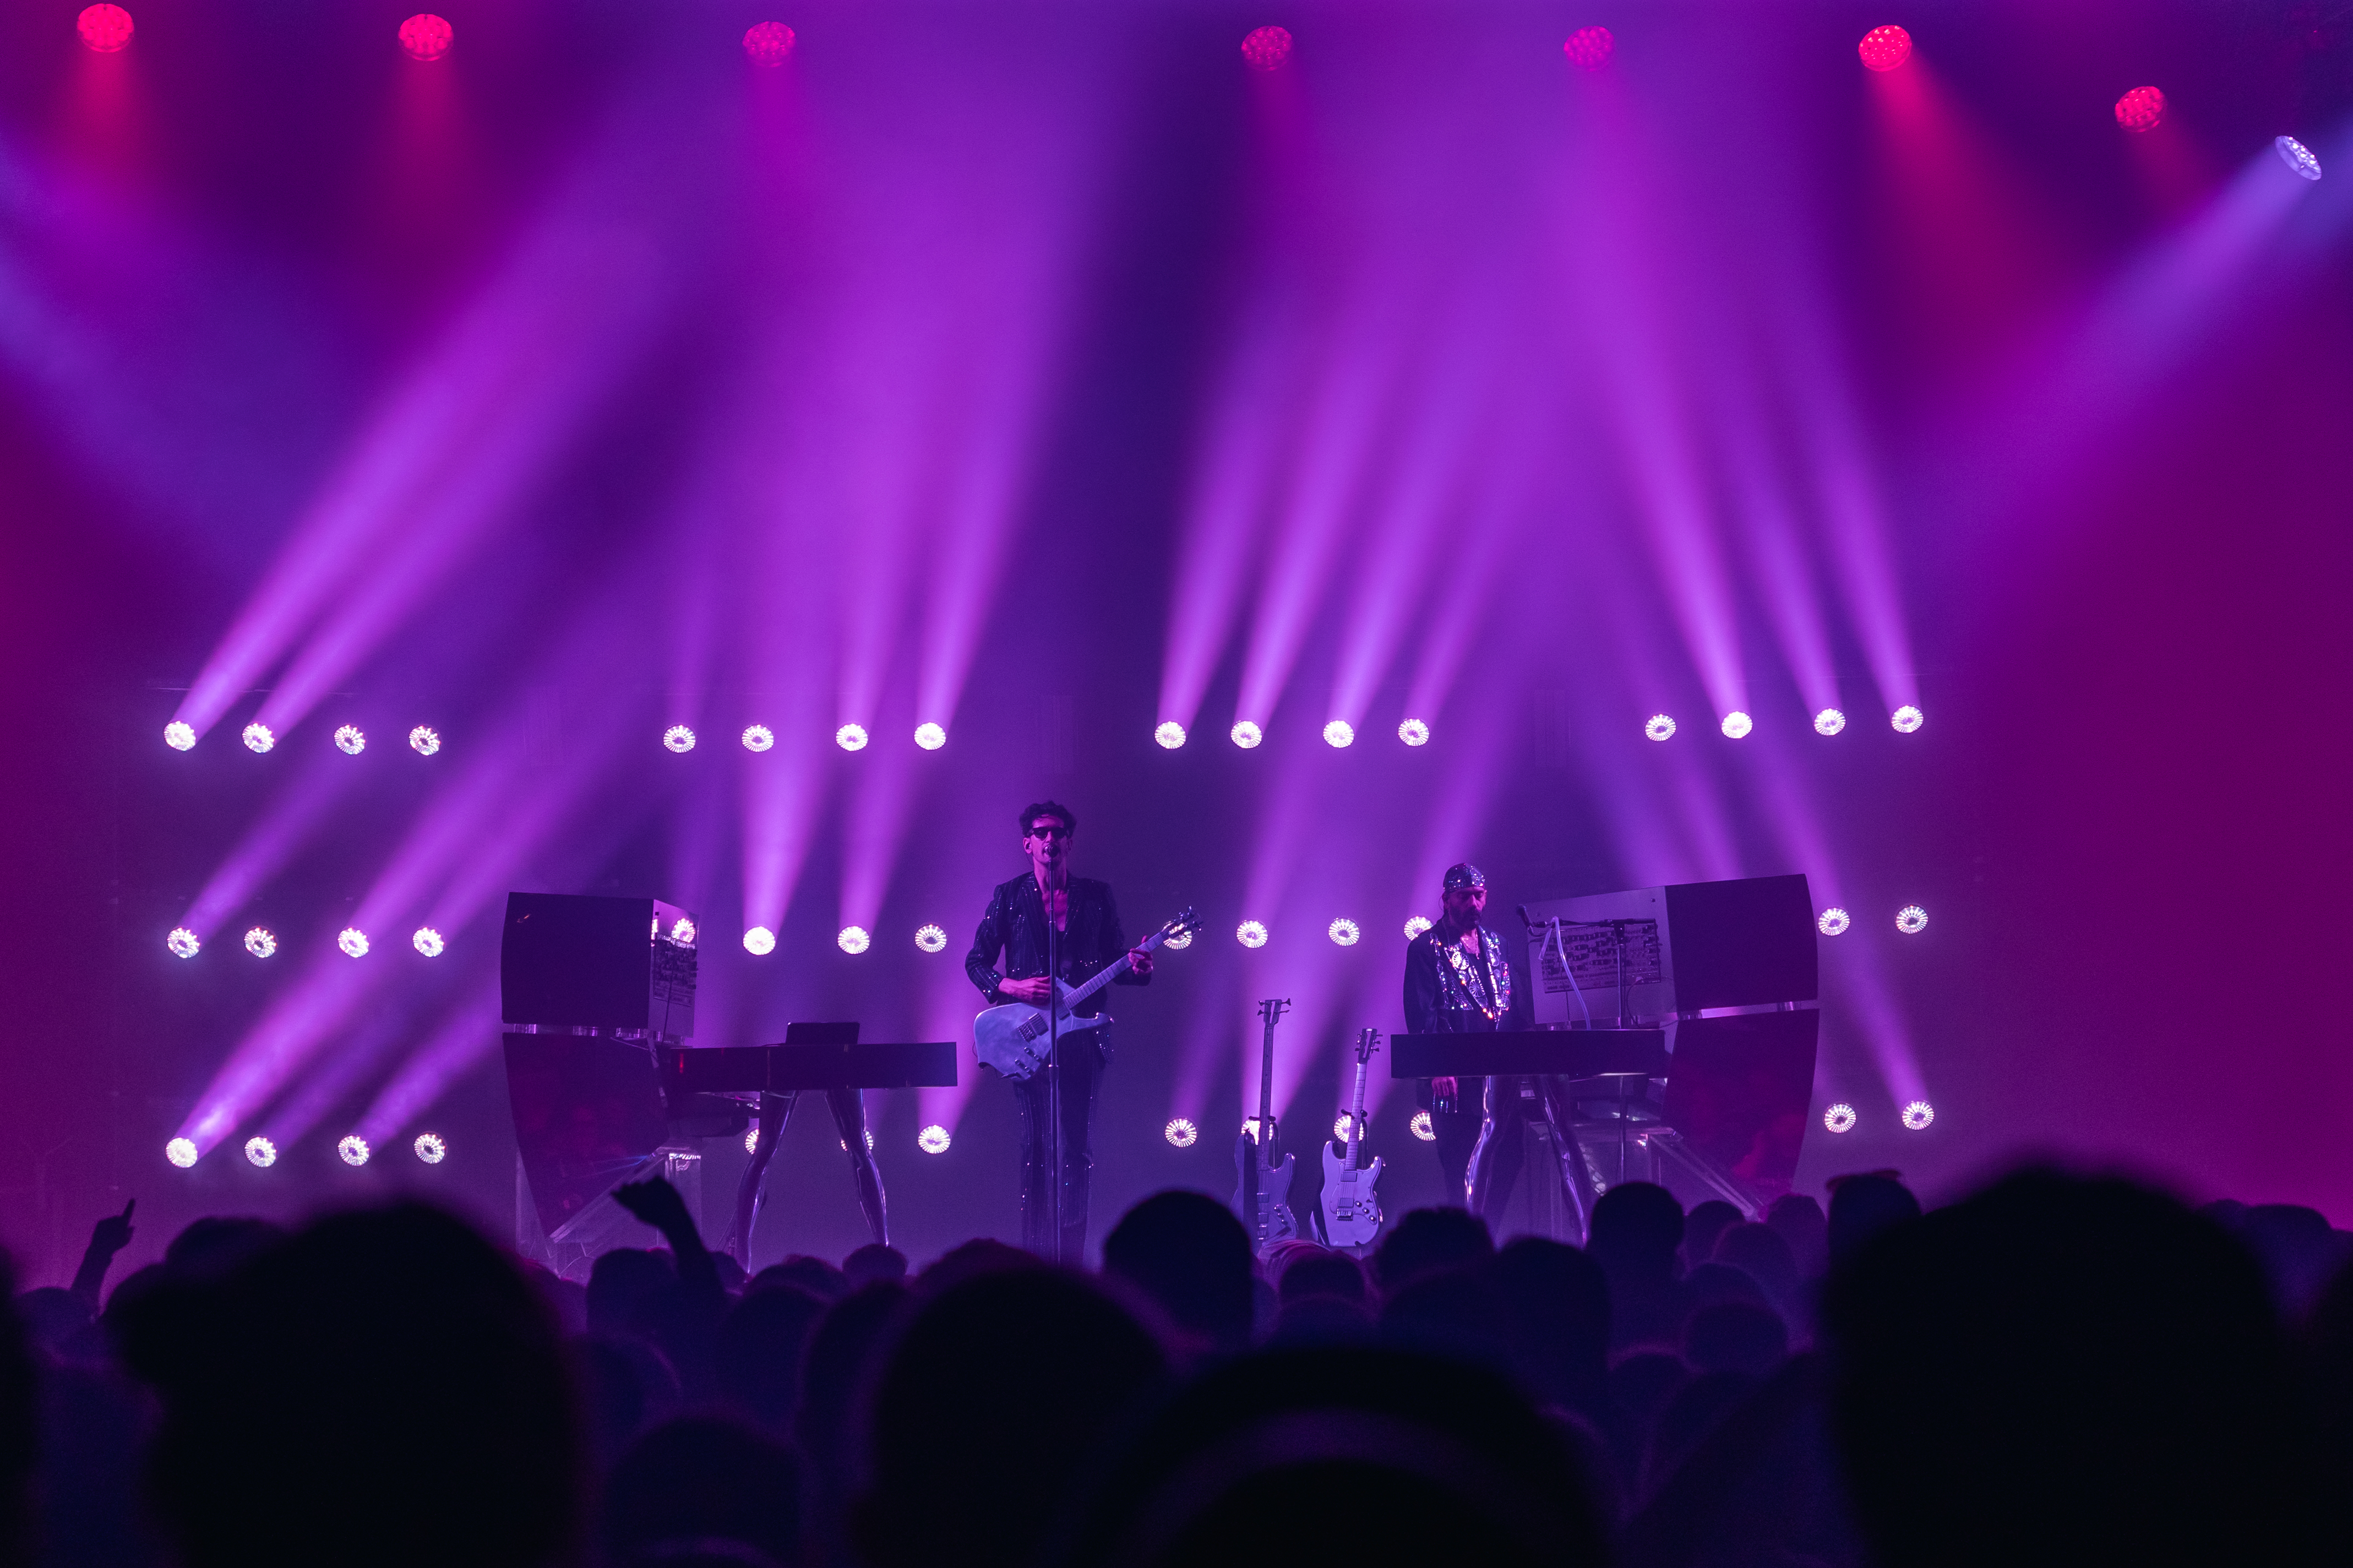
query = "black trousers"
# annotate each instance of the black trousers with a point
(1457, 1132)
(1082, 1063)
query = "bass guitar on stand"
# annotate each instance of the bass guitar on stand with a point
(1262, 1198)
(1352, 1210)
(1017, 1038)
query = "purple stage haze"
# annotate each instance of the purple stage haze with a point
(1045, 373)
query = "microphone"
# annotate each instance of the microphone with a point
(1523, 916)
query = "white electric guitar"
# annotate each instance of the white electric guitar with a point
(1017, 1039)
(1352, 1210)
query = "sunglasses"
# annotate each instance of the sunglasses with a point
(1049, 830)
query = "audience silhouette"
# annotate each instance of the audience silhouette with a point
(2056, 1370)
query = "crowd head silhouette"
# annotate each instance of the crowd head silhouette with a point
(2057, 1369)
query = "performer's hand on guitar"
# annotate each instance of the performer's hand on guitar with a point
(1036, 990)
(1140, 960)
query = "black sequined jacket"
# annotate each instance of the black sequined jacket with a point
(1014, 927)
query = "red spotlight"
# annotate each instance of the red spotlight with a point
(1884, 49)
(1590, 47)
(1266, 47)
(105, 28)
(426, 37)
(768, 43)
(2140, 109)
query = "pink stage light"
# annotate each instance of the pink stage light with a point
(767, 43)
(1266, 47)
(1590, 47)
(2141, 109)
(426, 37)
(105, 28)
(1884, 49)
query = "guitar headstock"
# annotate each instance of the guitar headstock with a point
(1180, 929)
(1367, 1042)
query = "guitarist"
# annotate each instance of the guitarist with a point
(1087, 936)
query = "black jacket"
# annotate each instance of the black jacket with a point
(1014, 926)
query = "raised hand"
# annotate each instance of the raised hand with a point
(112, 1232)
(657, 1203)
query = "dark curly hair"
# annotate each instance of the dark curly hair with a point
(1032, 812)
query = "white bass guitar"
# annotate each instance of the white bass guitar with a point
(1352, 1210)
(1017, 1039)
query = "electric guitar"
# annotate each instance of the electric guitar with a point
(1351, 1211)
(1017, 1038)
(1261, 1198)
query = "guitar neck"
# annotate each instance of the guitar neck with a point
(1110, 972)
(1356, 1115)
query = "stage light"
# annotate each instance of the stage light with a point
(351, 740)
(853, 939)
(1178, 943)
(1170, 734)
(1918, 1114)
(1659, 727)
(1340, 1127)
(759, 941)
(851, 737)
(932, 1139)
(1265, 49)
(2297, 156)
(1907, 719)
(1246, 734)
(678, 739)
(1838, 1118)
(427, 942)
(430, 1149)
(931, 737)
(424, 741)
(180, 736)
(354, 1149)
(1829, 721)
(2141, 109)
(258, 738)
(1180, 1132)
(1911, 920)
(104, 29)
(1249, 1126)
(767, 43)
(1339, 732)
(261, 942)
(426, 37)
(758, 737)
(1736, 724)
(1250, 933)
(681, 931)
(182, 942)
(353, 941)
(1344, 932)
(261, 1151)
(1590, 47)
(931, 939)
(180, 1152)
(752, 1138)
(1416, 926)
(1884, 49)
(843, 1145)
(1421, 1127)
(1414, 733)
(1833, 920)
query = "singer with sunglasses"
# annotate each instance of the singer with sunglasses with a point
(1086, 935)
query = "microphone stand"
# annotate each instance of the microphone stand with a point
(1054, 1048)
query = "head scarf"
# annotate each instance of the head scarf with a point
(1464, 875)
